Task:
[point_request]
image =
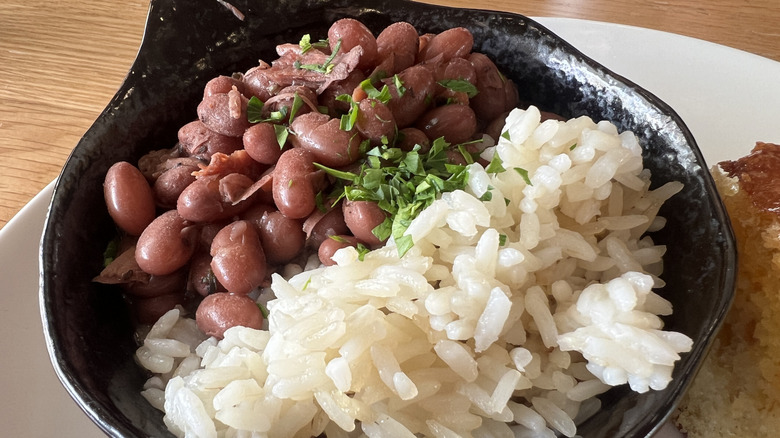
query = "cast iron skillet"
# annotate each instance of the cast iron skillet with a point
(88, 330)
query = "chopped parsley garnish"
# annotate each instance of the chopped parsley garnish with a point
(282, 132)
(263, 310)
(348, 120)
(362, 251)
(296, 105)
(382, 96)
(496, 165)
(571, 148)
(324, 68)
(254, 112)
(254, 109)
(460, 86)
(399, 85)
(306, 44)
(505, 134)
(502, 239)
(402, 184)
(524, 174)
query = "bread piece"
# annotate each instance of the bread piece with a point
(737, 391)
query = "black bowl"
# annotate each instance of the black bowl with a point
(89, 332)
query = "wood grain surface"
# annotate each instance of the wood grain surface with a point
(62, 60)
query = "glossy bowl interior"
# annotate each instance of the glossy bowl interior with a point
(89, 332)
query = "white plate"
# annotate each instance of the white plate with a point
(728, 98)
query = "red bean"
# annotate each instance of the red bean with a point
(375, 121)
(222, 84)
(494, 94)
(408, 138)
(129, 198)
(238, 259)
(399, 40)
(456, 123)
(353, 33)
(261, 144)
(322, 224)
(169, 185)
(452, 43)
(332, 244)
(362, 217)
(196, 140)
(201, 279)
(255, 213)
(282, 238)
(257, 82)
(221, 311)
(419, 89)
(292, 187)
(211, 199)
(166, 244)
(225, 113)
(323, 137)
(457, 68)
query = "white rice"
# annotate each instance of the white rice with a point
(506, 318)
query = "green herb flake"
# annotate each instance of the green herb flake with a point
(306, 285)
(264, 310)
(502, 239)
(254, 110)
(505, 135)
(571, 148)
(349, 176)
(404, 244)
(281, 135)
(324, 68)
(338, 239)
(399, 85)
(524, 173)
(296, 105)
(349, 119)
(487, 196)
(466, 154)
(382, 95)
(362, 251)
(383, 230)
(496, 165)
(306, 44)
(460, 86)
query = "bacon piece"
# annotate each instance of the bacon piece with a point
(237, 162)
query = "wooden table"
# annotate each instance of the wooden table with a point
(62, 61)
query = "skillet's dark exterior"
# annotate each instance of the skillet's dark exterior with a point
(89, 333)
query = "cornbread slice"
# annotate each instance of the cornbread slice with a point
(737, 391)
